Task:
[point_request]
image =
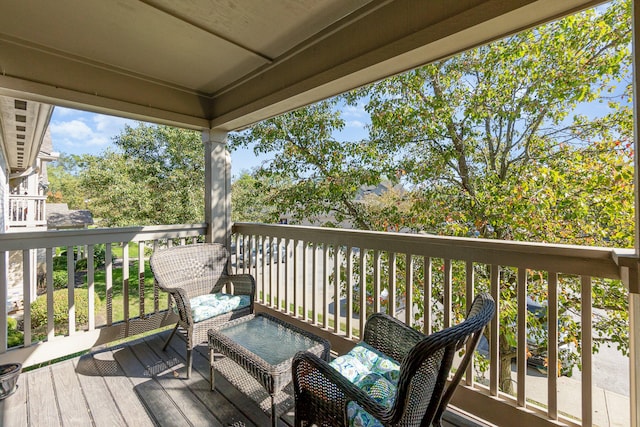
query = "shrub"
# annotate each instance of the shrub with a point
(12, 323)
(60, 279)
(60, 308)
(60, 263)
(14, 336)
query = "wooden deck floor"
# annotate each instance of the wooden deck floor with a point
(137, 384)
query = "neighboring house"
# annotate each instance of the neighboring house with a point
(59, 217)
(25, 150)
(367, 194)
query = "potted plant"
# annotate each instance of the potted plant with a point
(8, 379)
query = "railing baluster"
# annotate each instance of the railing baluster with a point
(70, 290)
(392, 284)
(363, 291)
(494, 342)
(274, 248)
(447, 290)
(4, 296)
(314, 284)
(469, 295)
(376, 281)
(586, 317)
(156, 290)
(408, 289)
(349, 302)
(336, 288)
(552, 327)
(305, 256)
(522, 336)
(108, 278)
(428, 305)
(125, 280)
(141, 284)
(91, 315)
(295, 259)
(325, 285)
(27, 262)
(49, 279)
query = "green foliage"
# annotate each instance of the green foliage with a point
(60, 308)
(12, 323)
(252, 198)
(60, 279)
(64, 182)
(156, 176)
(14, 336)
(489, 144)
(311, 173)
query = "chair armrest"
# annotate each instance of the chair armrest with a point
(390, 336)
(182, 303)
(241, 284)
(316, 380)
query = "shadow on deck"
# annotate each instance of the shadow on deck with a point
(137, 384)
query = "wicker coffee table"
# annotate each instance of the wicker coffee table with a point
(264, 345)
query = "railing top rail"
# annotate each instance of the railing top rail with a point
(28, 196)
(56, 238)
(569, 259)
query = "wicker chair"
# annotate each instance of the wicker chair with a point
(324, 396)
(194, 276)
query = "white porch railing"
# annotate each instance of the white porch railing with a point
(27, 211)
(132, 305)
(299, 270)
(312, 265)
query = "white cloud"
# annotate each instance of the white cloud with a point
(79, 132)
(355, 124)
(355, 111)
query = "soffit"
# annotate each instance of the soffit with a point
(23, 124)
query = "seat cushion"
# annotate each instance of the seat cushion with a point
(205, 307)
(375, 373)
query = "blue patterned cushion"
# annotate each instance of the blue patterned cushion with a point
(205, 307)
(373, 372)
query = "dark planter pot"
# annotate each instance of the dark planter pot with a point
(8, 379)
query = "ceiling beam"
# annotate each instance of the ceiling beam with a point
(392, 38)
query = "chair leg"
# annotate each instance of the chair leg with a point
(170, 336)
(189, 363)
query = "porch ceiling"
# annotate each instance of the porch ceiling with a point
(226, 64)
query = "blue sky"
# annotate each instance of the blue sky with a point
(81, 132)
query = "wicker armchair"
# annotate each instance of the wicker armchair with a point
(419, 395)
(194, 276)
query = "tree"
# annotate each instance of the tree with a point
(64, 182)
(486, 140)
(251, 199)
(156, 176)
(319, 174)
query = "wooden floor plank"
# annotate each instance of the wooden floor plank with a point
(131, 408)
(133, 384)
(104, 411)
(13, 409)
(42, 406)
(225, 412)
(71, 401)
(197, 413)
(241, 400)
(154, 397)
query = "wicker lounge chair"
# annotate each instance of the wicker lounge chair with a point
(395, 377)
(194, 276)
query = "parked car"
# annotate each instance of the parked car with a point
(257, 255)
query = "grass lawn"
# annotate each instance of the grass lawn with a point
(134, 294)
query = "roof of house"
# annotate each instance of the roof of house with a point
(60, 216)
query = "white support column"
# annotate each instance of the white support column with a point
(217, 187)
(634, 297)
